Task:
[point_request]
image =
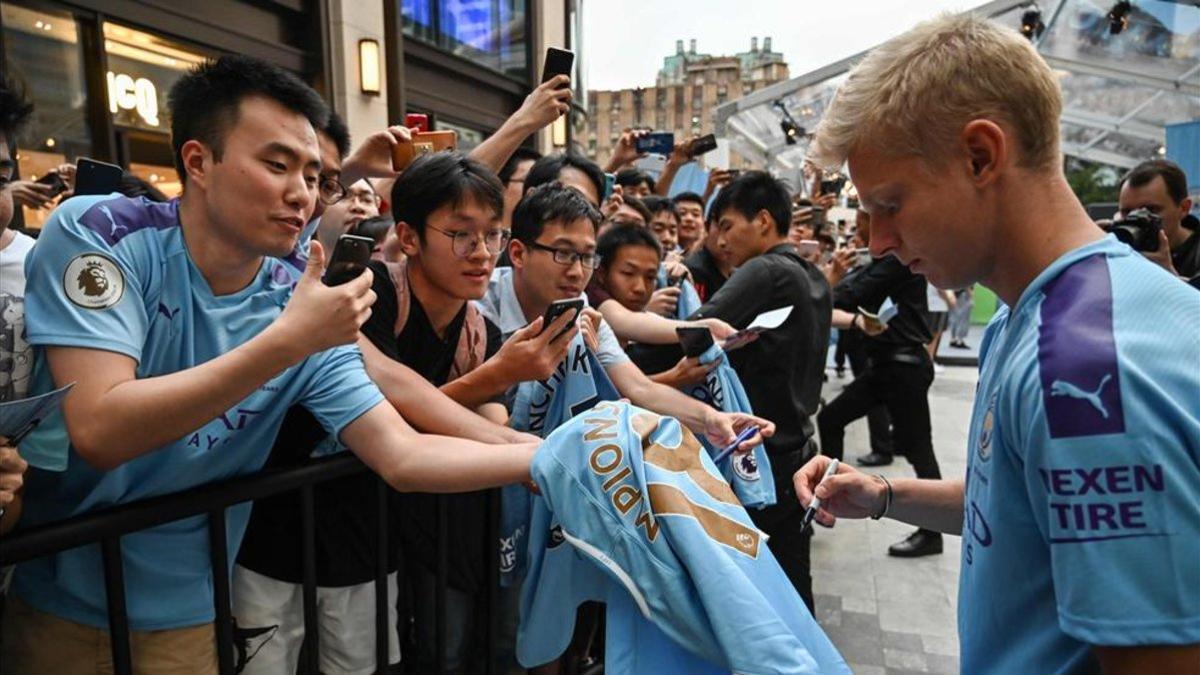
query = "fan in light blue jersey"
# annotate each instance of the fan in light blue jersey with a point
(115, 274)
(631, 504)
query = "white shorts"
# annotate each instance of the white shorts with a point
(270, 625)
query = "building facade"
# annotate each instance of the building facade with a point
(687, 89)
(98, 71)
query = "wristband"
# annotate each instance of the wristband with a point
(887, 499)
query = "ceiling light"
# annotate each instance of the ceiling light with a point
(1031, 23)
(1118, 17)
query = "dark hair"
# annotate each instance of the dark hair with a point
(374, 228)
(15, 109)
(549, 203)
(518, 156)
(656, 205)
(440, 178)
(1171, 174)
(633, 178)
(204, 103)
(755, 191)
(638, 205)
(336, 129)
(131, 185)
(546, 170)
(624, 234)
(688, 197)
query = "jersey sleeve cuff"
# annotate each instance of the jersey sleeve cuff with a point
(86, 342)
(1131, 632)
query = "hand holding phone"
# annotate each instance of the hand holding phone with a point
(423, 142)
(703, 145)
(695, 340)
(659, 143)
(53, 181)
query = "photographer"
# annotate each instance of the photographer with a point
(1160, 187)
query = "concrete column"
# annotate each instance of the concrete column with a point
(351, 21)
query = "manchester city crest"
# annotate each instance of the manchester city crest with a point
(985, 433)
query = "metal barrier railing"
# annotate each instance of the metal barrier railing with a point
(106, 527)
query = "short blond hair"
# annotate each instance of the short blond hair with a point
(913, 94)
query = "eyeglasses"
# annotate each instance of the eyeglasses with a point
(465, 242)
(565, 256)
(330, 191)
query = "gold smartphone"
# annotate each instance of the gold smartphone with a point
(422, 142)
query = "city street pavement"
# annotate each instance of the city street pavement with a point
(893, 615)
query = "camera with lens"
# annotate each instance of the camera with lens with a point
(1138, 228)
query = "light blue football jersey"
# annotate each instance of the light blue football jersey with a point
(114, 274)
(1082, 512)
(632, 504)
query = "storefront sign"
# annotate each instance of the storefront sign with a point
(140, 95)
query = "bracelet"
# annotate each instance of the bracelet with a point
(887, 499)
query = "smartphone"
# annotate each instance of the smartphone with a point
(864, 256)
(734, 173)
(557, 309)
(808, 248)
(704, 144)
(610, 182)
(423, 142)
(695, 340)
(678, 281)
(418, 121)
(96, 178)
(833, 186)
(55, 182)
(818, 217)
(350, 257)
(741, 339)
(659, 143)
(558, 62)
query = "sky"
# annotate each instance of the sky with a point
(624, 41)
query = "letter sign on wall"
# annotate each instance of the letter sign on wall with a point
(126, 93)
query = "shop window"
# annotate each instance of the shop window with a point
(141, 69)
(488, 32)
(42, 52)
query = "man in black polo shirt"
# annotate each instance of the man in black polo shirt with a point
(898, 374)
(782, 370)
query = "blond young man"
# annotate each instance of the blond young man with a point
(1080, 511)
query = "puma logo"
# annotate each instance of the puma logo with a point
(1064, 388)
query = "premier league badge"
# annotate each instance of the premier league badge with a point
(745, 466)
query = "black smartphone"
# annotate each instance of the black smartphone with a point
(678, 281)
(55, 181)
(659, 142)
(734, 173)
(557, 309)
(558, 62)
(818, 218)
(350, 258)
(833, 186)
(695, 340)
(96, 178)
(704, 144)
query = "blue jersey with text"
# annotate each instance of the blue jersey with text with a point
(1082, 512)
(114, 274)
(634, 512)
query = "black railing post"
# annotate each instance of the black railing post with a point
(382, 597)
(118, 620)
(491, 552)
(308, 554)
(439, 596)
(219, 556)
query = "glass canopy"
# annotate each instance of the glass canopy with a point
(1119, 91)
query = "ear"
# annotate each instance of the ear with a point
(410, 241)
(764, 224)
(197, 160)
(988, 148)
(516, 253)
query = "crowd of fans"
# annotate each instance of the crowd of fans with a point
(214, 350)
